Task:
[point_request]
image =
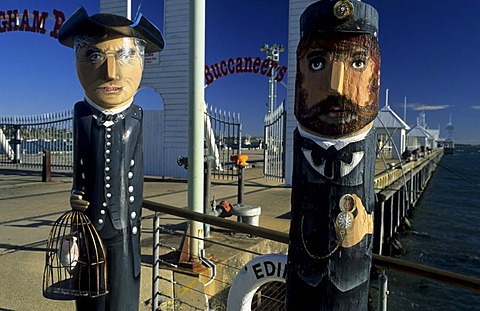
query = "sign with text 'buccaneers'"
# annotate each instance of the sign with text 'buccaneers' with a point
(16, 20)
(265, 67)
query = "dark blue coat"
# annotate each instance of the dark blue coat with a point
(315, 265)
(108, 167)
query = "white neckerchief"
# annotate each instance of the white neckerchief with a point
(338, 143)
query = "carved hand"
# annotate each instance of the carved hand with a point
(77, 202)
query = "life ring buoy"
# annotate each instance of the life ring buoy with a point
(257, 272)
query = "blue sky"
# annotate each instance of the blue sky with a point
(429, 55)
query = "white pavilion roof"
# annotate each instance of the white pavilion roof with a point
(387, 118)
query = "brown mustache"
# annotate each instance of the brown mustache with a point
(341, 102)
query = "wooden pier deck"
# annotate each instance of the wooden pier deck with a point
(398, 186)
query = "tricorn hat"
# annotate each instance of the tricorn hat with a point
(104, 25)
(346, 16)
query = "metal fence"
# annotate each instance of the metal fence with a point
(274, 155)
(223, 137)
(271, 295)
(24, 139)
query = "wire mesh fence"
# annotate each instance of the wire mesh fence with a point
(271, 295)
(215, 283)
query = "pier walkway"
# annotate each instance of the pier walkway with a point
(29, 208)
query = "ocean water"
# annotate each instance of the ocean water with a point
(445, 235)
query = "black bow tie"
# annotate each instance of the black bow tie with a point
(102, 118)
(328, 156)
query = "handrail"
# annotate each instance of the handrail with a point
(439, 275)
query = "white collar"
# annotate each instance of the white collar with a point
(338, 143)
(108, 111)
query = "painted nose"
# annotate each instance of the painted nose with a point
(111, 68)
(336, 80)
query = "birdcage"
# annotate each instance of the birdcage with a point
(75, 264)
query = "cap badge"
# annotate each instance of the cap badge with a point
(343, 9)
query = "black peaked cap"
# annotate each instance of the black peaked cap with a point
(345, 16)
(105, 25)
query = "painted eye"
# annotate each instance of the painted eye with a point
(126, 57)
(317, 63)
(358, 64)
(95, 57)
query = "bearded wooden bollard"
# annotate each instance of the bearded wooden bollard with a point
(108, 143)
(336, 101)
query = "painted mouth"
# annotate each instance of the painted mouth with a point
(111, 89)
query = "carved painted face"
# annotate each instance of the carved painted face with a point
(337, 84)
(109, 71)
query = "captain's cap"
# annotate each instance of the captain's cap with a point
(346, 16)
(103, 25)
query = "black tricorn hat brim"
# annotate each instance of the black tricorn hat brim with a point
(104, 25)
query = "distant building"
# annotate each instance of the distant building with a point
(391, 133)
(420, 137)
(448, 143)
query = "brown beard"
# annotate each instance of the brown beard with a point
(350, 116)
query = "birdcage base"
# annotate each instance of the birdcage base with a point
(63, 291)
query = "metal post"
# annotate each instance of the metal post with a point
(273, 54)
(241, 185)
(206, 199)
(156, 262)
(382, 292)
(17, 142)
(195, 118)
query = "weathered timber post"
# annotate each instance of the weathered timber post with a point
(46, 166)
(336, 101)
